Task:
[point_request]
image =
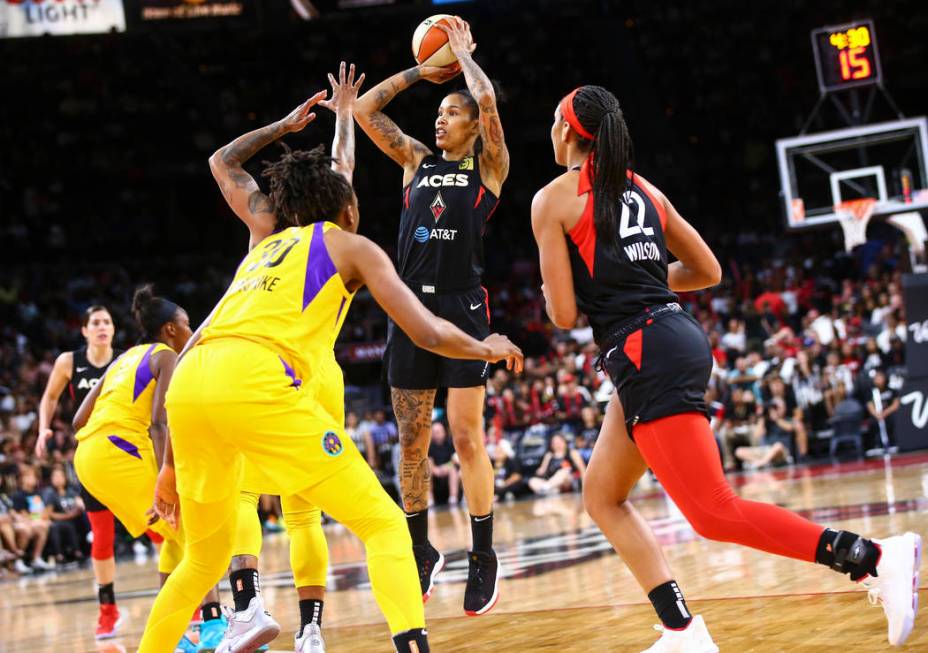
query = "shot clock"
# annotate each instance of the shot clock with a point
(846, 56)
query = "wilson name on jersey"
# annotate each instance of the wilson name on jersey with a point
(614, 281)
(445, 210)
(286, 295)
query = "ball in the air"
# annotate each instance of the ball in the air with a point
(430, 45)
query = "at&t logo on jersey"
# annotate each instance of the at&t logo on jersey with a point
(423, 235)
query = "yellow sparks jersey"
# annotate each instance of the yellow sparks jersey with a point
(288, 296)
(125, 401)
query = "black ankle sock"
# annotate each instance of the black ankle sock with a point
(244, 587)
(847, 553)
(670, 605)
(418, 523)
(403, 640)
(481, 531)
(310, 612)
(106, 594)
(210, 611)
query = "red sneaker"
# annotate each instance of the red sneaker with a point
(108, 621)
(197, 618)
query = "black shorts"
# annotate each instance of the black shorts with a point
(659, 363)
(91, 504)
(411, 368)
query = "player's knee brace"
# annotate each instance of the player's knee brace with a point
(103, 527)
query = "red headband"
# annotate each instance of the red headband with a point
(567, 110)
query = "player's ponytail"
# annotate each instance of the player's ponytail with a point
(151, 312)
(598, 119)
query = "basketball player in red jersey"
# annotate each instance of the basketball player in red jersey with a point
(80, 370)
(447, 200)
(603, 234)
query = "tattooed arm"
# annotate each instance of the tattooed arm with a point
(239, 188)
(405, 150)
(494, 159)
(343, 100)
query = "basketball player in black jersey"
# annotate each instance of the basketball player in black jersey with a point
(80, 370)
(603, 234)
(447, 199)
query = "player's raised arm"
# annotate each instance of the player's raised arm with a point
(405, 150)
(342, 103)
(239, 188)
(494, 158)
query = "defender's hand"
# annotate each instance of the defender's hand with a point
(344, 90)
(167, 503)
(297, 119)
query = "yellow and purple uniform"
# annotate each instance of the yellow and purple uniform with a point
(249, 392)
(115, 459)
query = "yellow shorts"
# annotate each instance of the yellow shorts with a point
(231, 401)
(120, 471)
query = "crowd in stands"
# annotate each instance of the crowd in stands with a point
(109, 188)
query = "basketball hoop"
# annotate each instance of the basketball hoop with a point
(854, 216)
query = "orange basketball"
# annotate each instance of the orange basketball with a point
(430, 44)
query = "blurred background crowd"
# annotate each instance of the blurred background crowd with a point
(104, 185)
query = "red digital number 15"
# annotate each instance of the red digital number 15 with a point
(853, 65)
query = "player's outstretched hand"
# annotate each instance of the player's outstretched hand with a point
(297, 119)
(440, 74)
(344, 90)
(41, 444)
(167, 503)
(459, 37)
(502, 347)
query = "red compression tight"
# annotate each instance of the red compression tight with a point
(104, 532)
(683, 454)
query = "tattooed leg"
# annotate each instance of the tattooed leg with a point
(413, 410)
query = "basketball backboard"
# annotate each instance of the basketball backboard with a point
(886, 161)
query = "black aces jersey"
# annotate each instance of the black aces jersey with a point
(615, 283)
(84, 375)
(445, 210)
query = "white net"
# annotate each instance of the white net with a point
(854, 216)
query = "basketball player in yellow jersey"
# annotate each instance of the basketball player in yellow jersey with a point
(122, 429)
(239, 392)
(309, 553)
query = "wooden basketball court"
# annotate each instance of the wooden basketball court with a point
(565, 589)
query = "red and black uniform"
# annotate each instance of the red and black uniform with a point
(656, 354)
(440, 257)
(84, 377)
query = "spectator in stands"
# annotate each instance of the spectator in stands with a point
(560, 470)
(33, 516)
(361, 438)
(10, 552)
(571, 400)
(510, 480)
(783, 397)
(882, 411)
(738, 424)
(446, 479)
(69, 526)
(588, 432)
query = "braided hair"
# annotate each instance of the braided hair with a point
(599, 113)
(304, 188)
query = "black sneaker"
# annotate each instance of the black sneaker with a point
(482, 589)
(412, 641)
(429, 562)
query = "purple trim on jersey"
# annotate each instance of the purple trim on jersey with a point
(143, 374)
(291, 373)
(126, 446)
(319, 266)
(340, 308)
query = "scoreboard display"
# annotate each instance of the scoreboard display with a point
(846, 56)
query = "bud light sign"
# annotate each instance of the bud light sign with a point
(38, 17)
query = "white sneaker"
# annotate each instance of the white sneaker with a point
(694, 639)
(21, 567)
(896, 583)
(310, 641)
(248, 629)
(39, 563)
